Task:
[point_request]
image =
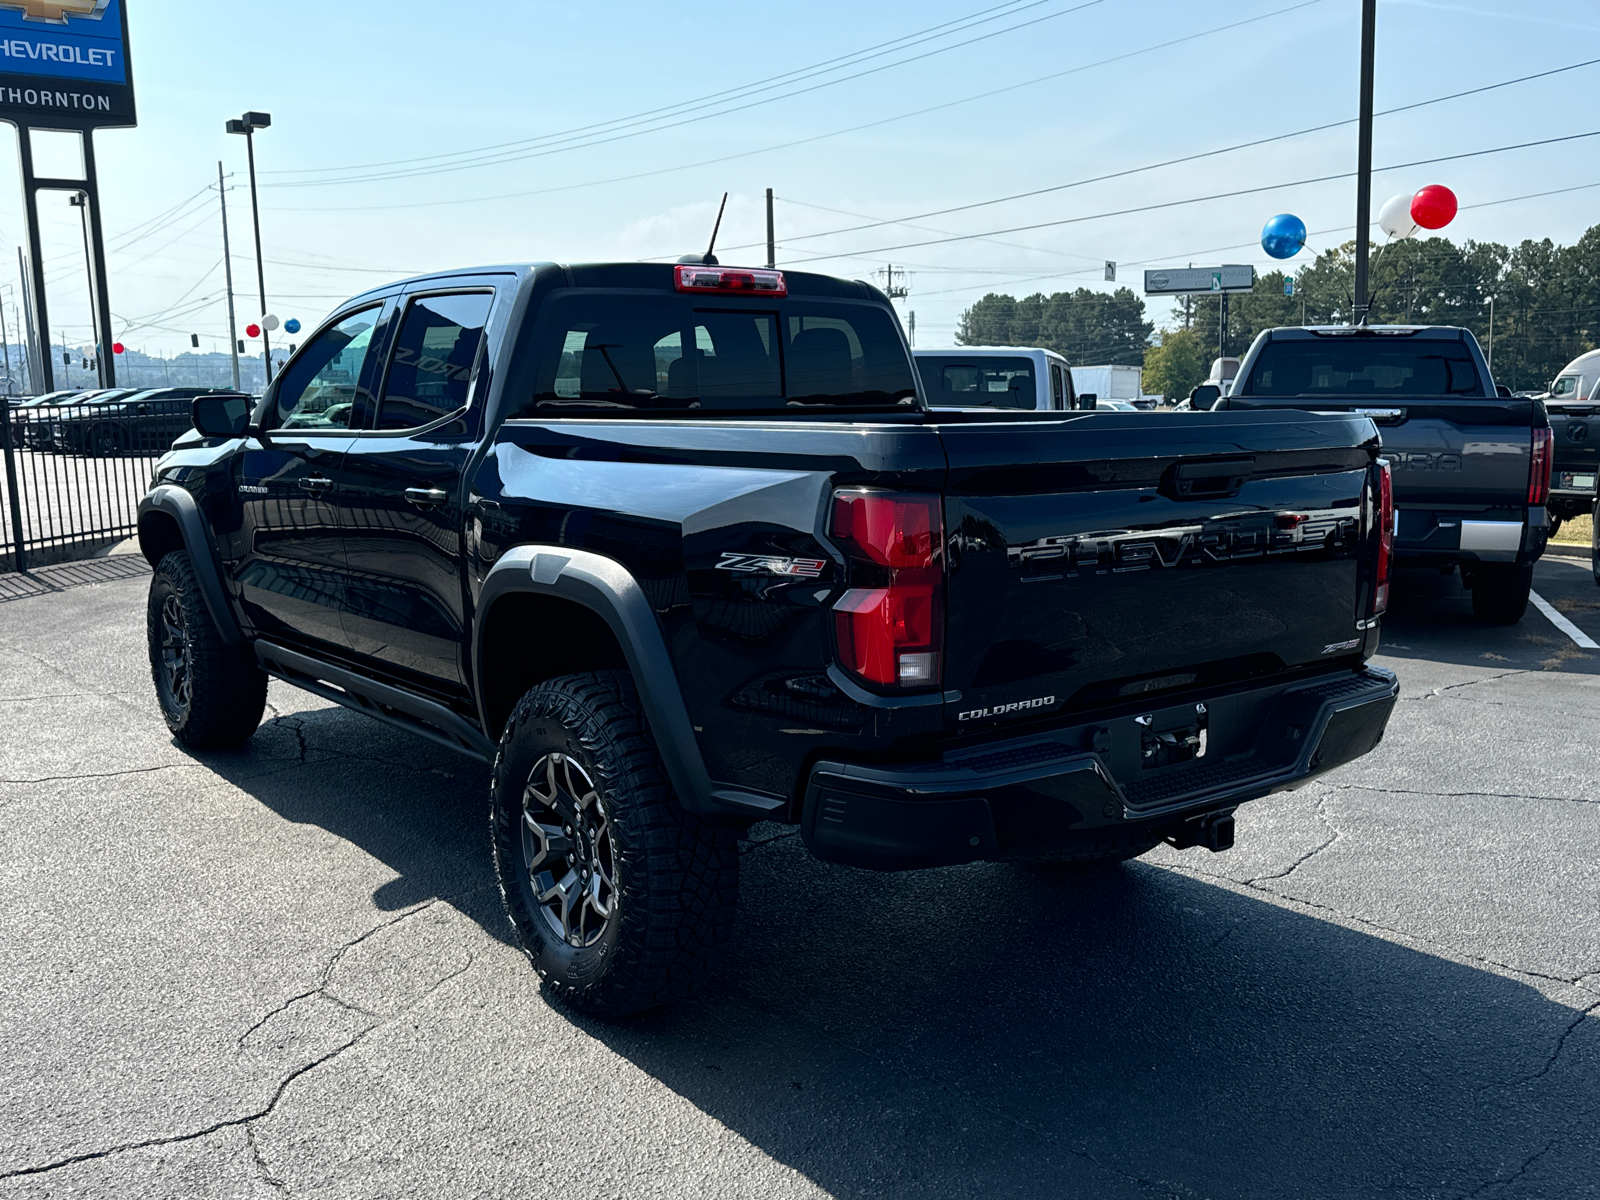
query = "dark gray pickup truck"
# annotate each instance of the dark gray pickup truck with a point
(1471, 466)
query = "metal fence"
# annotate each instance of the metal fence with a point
(75, 473)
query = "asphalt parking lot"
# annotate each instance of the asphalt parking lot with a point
(284, 971)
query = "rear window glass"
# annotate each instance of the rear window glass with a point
(599, 353)
(956, 382)
(1363, 366)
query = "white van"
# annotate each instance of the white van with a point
(998, 377)
(1578, 380)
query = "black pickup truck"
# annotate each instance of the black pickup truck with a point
(1471, 464)
(682, 548)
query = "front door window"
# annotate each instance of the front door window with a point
(319, 389)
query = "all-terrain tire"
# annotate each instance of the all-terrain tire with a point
(1500, 592)
(211, 694)
(655, 910)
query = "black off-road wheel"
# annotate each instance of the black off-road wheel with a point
(621, 899)
(1500, 592)
(211, 694)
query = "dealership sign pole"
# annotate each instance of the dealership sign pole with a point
(64, 66)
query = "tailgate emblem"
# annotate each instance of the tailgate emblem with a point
(769, 564)
(1335, 647)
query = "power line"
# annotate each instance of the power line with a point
(1171, 162)
(709, 162)
(1228, 195)
(971, 20)
(522, 155)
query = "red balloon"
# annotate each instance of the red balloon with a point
(255, 330)
(117, 347)
(1434, 206)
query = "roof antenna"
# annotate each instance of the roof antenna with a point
(708, 259)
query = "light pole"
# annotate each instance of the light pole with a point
(247, 125)
(80, 201)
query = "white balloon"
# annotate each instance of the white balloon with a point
(270, 322)
(1394, 218)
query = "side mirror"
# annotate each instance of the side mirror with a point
(1088, 399)
(1204, 396)
(221, 416)
(1502, 391)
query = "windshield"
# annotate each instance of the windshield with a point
(1566, 386)
(957, 381)
(600, 353)
(1363, 366)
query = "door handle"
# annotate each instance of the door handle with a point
(315, 483)
(426, 497)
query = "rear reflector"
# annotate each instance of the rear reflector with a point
(1539, 468)
(743, 281)
(890, 633)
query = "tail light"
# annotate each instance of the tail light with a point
(1539, 468)
(741, 281)
(1386, 521)
(890, 626)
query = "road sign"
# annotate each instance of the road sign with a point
(1184, 281)
(65, 60)
(1288, 285)
(1111, 271)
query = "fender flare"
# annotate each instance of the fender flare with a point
(607, 588)
(173, 501)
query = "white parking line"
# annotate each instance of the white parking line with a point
(1583, 640)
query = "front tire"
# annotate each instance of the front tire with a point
(211, 694)
(1500, 592)
(620, 898)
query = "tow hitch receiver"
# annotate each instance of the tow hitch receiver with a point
(1213, 831)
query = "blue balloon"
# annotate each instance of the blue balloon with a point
(291, 326)
(1284, 236)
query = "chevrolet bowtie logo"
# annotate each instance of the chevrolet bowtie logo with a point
(56, 11)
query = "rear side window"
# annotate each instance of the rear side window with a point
(952, 381)
(599, 353)
(1363, 366)
(431, 368)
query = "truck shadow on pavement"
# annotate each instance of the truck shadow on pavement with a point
(1430, 617)
(987, 1030)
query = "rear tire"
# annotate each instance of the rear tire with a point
(211, 694)
(1500, 592)
(620, 899)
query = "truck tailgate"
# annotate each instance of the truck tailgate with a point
(1230, 546)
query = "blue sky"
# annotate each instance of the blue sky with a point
(354, 83)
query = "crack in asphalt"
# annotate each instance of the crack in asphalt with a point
(751, 845)
(104, 774)
(246, 1121)
(263, 1172)
(1364, 787)
(119, 697)
(1516, 1175)
(1335, 835)
(1550, 1063)
(1436, 693)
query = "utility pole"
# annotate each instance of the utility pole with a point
(1490, 356)
(895, 283)
(1222, 325)
(913, 328)
(227, 262)
(772, 240)
(5, 341)
(1369, 23)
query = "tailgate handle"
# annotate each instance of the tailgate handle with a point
(1208, 480)
(1382, 416)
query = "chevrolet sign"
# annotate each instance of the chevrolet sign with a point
(64, 63)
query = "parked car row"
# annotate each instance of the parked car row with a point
(104, 422)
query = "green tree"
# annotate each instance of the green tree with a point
(1085, 327)
(1175, 364)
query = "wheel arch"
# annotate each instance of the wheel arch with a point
(615, 626)
(169, 519)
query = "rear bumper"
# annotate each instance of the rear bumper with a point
(1032, 795)
(1429, 537)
